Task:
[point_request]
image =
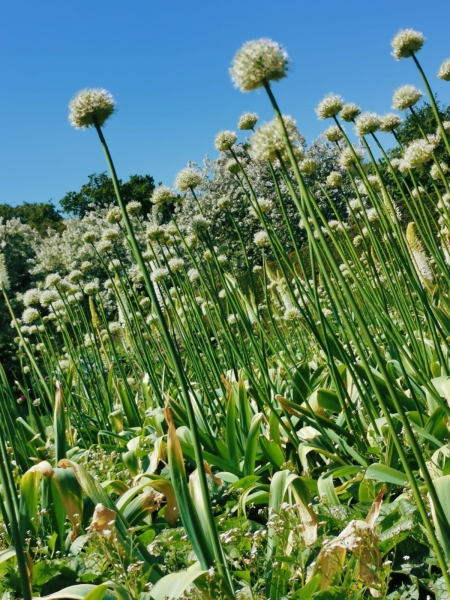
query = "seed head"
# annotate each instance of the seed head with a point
(247, 121)
(91, 107)
(417, 153)
(367, 123)
(444, 70)
(350, 111)
(258, 62)
(330, 106)
(163, 195)
(406, 43)
(405, 97)
(333, 133)
(390, 122)
(225, 140)
(187, 179)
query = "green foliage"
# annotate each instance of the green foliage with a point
(40, 216)
(99, 192)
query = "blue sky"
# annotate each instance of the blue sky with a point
(166, 63)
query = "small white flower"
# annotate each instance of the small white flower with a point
(247, 121)
(225, 140)
(367, 123)
(350, 111)
(188, 179)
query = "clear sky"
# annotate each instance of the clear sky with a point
(166, 63)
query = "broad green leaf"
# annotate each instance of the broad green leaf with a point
(386, 474)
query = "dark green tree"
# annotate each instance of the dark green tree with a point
(99, 191)
(41, 216)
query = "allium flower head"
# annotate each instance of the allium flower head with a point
(159, 274)
(308, 166)
(163, 195)
(347, 159)
(406, 43)
(225, 140)
(48, 297)
(261, 239)
(233, 166)
(350, 111)
(114, 215)
(330, 106)
(268, 142)
(133, 207)
(31, 297)
(176, 264)
(334, 179)
(89, 237)
(223, 203)
(333, 133)
(247, 121)
(444, 70)
(258, 62)
(367, 123)
(91, 288)
(199, 224)
(52, 279)
(30, 315)
(390, 122)
(405, 97)
(187, 179)
(417, 153)
(91, 107)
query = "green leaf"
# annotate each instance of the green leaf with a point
(78, 592)
(386, 474)
(252, 444)
(174, 585)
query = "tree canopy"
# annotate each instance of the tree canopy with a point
(99, 191)
(41, 216)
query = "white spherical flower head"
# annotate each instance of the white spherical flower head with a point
(333, 133)
(159, 274)
(91, 288)
(114, 215)
(52, 279)
(31, 297)
(268, 141)
(30, 315)
(347, 158)
(308, 166)
(163, 195)
(417, 153)
(334, 179)
(406, 43)
(367, 123)
(350, 111)
(225, 140)
(223, 203)
(257, 63)
(444, 70)
(247, 121)
(199, 225)
(91, 107)
(390, 122)
(405, 97)
(188, 179)
(330, 106)
(261, 239)
(133, 207)
(176, 264)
